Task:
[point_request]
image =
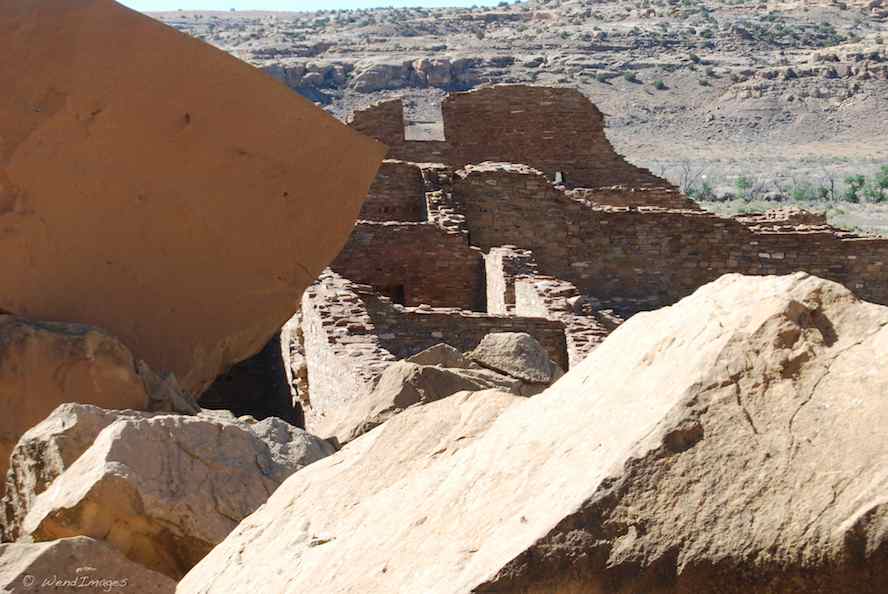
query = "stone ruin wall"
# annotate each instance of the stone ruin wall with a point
(565, 264)
(415, 264)
(503, 265)
(395, 194)
(351, 334)
(654, 255)
(550, 129)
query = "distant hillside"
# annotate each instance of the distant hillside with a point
(704, 92)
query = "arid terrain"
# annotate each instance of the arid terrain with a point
(457, 344)
(790, 96)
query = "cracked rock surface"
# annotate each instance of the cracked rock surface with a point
(165, 489)
(45, 364)
(78, 564)
(735, 442)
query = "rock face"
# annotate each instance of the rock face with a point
(45, 451)
(43, 365)
(150, 210)
(74, 565)
(375, 469)
(403, 385)
(516, 354)
(165, 489)
(734, 442)
(442, 355)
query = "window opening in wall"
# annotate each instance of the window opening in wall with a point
(396, 293)
(423, 119)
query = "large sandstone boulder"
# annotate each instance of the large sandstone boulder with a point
(442, 355)
(158, 188)
(736, 442)
(43, 365)
(404, 384)
(165, 489)
(77, 565)
(517, 354)
(45, 451)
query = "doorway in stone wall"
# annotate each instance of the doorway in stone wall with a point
(396, 293)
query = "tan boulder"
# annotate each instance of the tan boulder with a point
(165, 489)
(45, 451)
(77, 565)
(43, 365)
(404, 384)
(158, 188)
(735, 442)
(442, 355)
(517, 354)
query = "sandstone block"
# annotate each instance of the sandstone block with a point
(516, 354)
(732, 443)
(76, 565)
(45, 451)
(165, 489)
(164, 191)
(43, 365)
(442, 355)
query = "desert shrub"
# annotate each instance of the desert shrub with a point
(854, 187)
(702, 192)
(629, 76)
(744, 185)
(659, 85)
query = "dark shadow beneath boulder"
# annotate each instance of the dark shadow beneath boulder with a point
(257, 387)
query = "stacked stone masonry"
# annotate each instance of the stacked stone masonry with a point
(351, 334)
(525, 219)
(555, 130)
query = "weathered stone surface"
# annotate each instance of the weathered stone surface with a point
(165, 489)
(143, 189)
(516, 354)
(43, 365)
(403, 385)
(75, 565)
(442, 355)
(732, 443)
(45, 451)
(372, 468)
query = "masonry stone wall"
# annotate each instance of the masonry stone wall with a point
(650, 254)
(555, 130)
(586, 325)
(351, 334)
(661, 197)
(407, 331)
(343, 355)
(503, 265)
(385, 122)
(414, 264)
(397, 194)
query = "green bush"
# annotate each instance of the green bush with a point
(630, 77)
(744, 185)
(855, 185)
(659, 85)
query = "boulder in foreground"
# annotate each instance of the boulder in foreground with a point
(75, 565)
(165, 489)
(735, 442)
(45, 451)
(43, 365)
(158, 188)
